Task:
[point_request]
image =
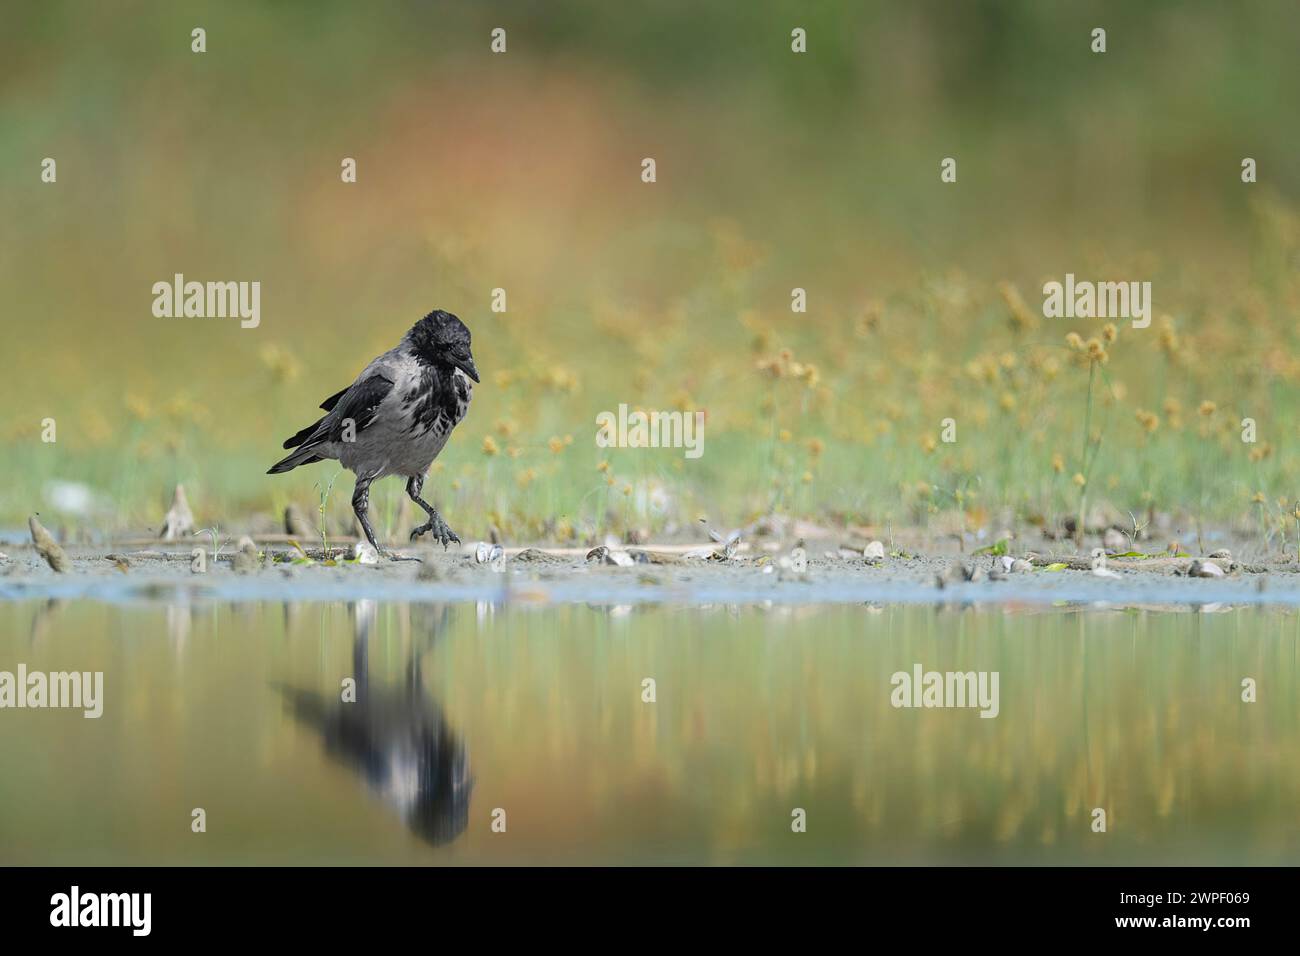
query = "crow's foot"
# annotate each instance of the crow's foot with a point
(435, 525)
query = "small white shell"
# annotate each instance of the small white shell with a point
(1205, 569)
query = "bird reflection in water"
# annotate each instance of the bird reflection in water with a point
(396, 738)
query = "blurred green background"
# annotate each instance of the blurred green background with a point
(775, 170)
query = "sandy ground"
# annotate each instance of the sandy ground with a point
(667, 573)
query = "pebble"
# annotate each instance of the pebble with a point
(246, 556)
(1099, 568)
(606, 555)
(1205, 569)
(47, 547)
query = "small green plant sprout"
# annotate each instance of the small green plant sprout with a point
(324, 504)
(217, 544)
(996, 549)
(1132, 536)
(1094, 353)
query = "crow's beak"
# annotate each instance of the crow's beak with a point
(466, 365)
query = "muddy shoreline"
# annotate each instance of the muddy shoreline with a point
(669, 573)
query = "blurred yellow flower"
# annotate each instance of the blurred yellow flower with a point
(280, 363)
(560, 379)
(1022, 317)
(137, 407)
(1168, 337)
(1148, 420)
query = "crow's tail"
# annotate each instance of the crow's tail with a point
(303, 456)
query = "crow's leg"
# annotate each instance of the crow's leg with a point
(435, 523)
(361, 505)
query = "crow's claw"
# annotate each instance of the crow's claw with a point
(440, 531)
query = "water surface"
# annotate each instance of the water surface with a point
(537, 710)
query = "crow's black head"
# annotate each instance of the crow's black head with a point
(442, 339)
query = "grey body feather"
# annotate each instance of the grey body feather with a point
(402, 414)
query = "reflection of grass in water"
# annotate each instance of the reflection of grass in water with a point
(758, 711)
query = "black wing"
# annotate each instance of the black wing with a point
(329, 403)
(357, 402)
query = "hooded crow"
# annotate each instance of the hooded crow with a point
(396, 417)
